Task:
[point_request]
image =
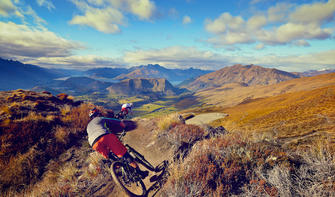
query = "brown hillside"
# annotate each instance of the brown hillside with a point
(293, 117)
(35, 128)
(233, 94)
(247, 75)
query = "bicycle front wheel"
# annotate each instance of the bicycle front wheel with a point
(135, 189)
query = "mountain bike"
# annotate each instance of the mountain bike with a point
(126, 176)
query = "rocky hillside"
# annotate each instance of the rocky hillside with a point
(248, 75)
(141, 86)
(35, 129)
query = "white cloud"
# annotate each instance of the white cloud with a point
(303, 23)
(142, 8)
(24, 41)
(303, 43)
(279, 12)
(7, 8)
(256, 22)
(48, 4)
(231, 38)
(183, 57)
(104, 20)
(225, 22)
(294, 63)
(291, 32)
(107, 15)
(314, 13)
(187, 20)
(76, 62)
(177, 57)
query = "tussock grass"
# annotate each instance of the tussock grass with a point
(168, 121)
(286, 116)
(233, 165)
(35, 128)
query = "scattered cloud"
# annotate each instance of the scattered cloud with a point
(187, 20)
(177, 57)
(184, 57)
(260, 46)
(294, 63)
(303, 43)
(317, 13)
(279, 12)
(7, 8)
(305, 22)
(256, 22)
(76, 62)
(25, 41)
(46, 3)
(29, 12)
(107, 15)
(107, 20)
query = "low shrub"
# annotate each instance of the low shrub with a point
(233, 165)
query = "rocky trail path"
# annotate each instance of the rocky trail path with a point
(205, 118)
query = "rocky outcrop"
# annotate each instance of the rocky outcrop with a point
(141, 86)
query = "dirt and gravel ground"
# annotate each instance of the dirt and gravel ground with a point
(206, 118)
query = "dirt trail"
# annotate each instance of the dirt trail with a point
(206, 118)
(143, 139)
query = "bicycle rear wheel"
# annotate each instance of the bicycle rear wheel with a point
(119, 175)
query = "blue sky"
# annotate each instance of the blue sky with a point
(291, 35)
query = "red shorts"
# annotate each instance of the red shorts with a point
(108, 143)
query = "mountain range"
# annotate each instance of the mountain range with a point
(247, 75)
(15, 75)
(157, 71)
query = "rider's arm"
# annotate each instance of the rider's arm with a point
(114, 125)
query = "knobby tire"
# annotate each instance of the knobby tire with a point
(117, 174)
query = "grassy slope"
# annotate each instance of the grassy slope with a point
(287, 115)
(233, 94)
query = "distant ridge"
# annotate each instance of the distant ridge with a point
(16, 75)
(142, 86)
(157, 71)
(312, 73)
(248, 75)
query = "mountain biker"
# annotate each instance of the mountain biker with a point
(101, 137)
(126, 108)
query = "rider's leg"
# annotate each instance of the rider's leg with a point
(108, 143)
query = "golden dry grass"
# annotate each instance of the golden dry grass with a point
(232, 94)
(33, 132)
(298, 114)
(165, 122)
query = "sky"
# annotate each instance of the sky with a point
(290, 35)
